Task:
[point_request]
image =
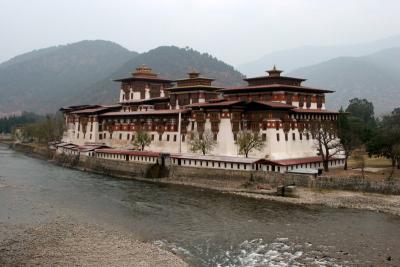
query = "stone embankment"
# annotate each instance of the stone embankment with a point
(349, 192)
(219, 176)
(33, 150)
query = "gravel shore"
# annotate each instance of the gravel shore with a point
(338, 199)
(306, 196)
(63, 243)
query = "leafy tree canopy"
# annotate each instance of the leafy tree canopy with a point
(142, 139)
(362, 109)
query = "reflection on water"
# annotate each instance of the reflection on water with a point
(205, 228)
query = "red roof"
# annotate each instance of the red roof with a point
(270, 87)
(192, 87)
(143, 77)
(274, 77)
(319, 111)
(149, 112)
(226, 103)
(273, 104)
(296, 161)
(128, 152)
(154, 99)
(216, 104)
(94, 109)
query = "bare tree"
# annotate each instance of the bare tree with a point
(358, 157)
(142, 139)
(248, 141)
(203, 143)
(326, 142)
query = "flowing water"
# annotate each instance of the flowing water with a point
(203, 227)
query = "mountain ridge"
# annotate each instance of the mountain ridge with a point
(297, 57)
(164, 61)
(375, 77)
(44, 80)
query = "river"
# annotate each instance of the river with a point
(203, 227)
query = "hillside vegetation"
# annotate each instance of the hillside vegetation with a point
(170, 62)
(375, 77)
(43, 80)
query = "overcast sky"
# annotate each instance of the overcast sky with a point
(234, 31)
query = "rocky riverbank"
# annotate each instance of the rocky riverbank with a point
(305, 196)
(36, 234)
(64, 243)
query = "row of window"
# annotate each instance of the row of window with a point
(124, 157)
(307, 135)
(213, 164)
(132, 137)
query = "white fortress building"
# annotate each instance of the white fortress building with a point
(278, 108)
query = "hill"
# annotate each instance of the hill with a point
(375, 77)
(168, 61)
(43, 80)
(291, 59)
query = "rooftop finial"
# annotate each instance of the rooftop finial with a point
(143, 69)
(193, 73)
(274, 72)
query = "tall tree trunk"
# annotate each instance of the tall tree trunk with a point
(345, 161)
(326, 165)
(393, 161)
(391, 174)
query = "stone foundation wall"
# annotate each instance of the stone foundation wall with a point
(142, 170)
(34, 150)
(208, 173)
(357, 184)
(272, 178)
(114, 167)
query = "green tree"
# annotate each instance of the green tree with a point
(362, 109)
(49, 128)
(386, 139)
(248, 141)
(142, 139)
(349, 132)
(8, 123)
(203, 143)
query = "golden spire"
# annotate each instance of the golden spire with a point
(143, 69)
(274, 72)
(193, 73)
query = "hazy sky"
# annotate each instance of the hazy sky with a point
(234, 31)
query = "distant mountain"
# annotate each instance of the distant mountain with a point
(168, 61)
(291, 59)
(375, 77)
(45, 79)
